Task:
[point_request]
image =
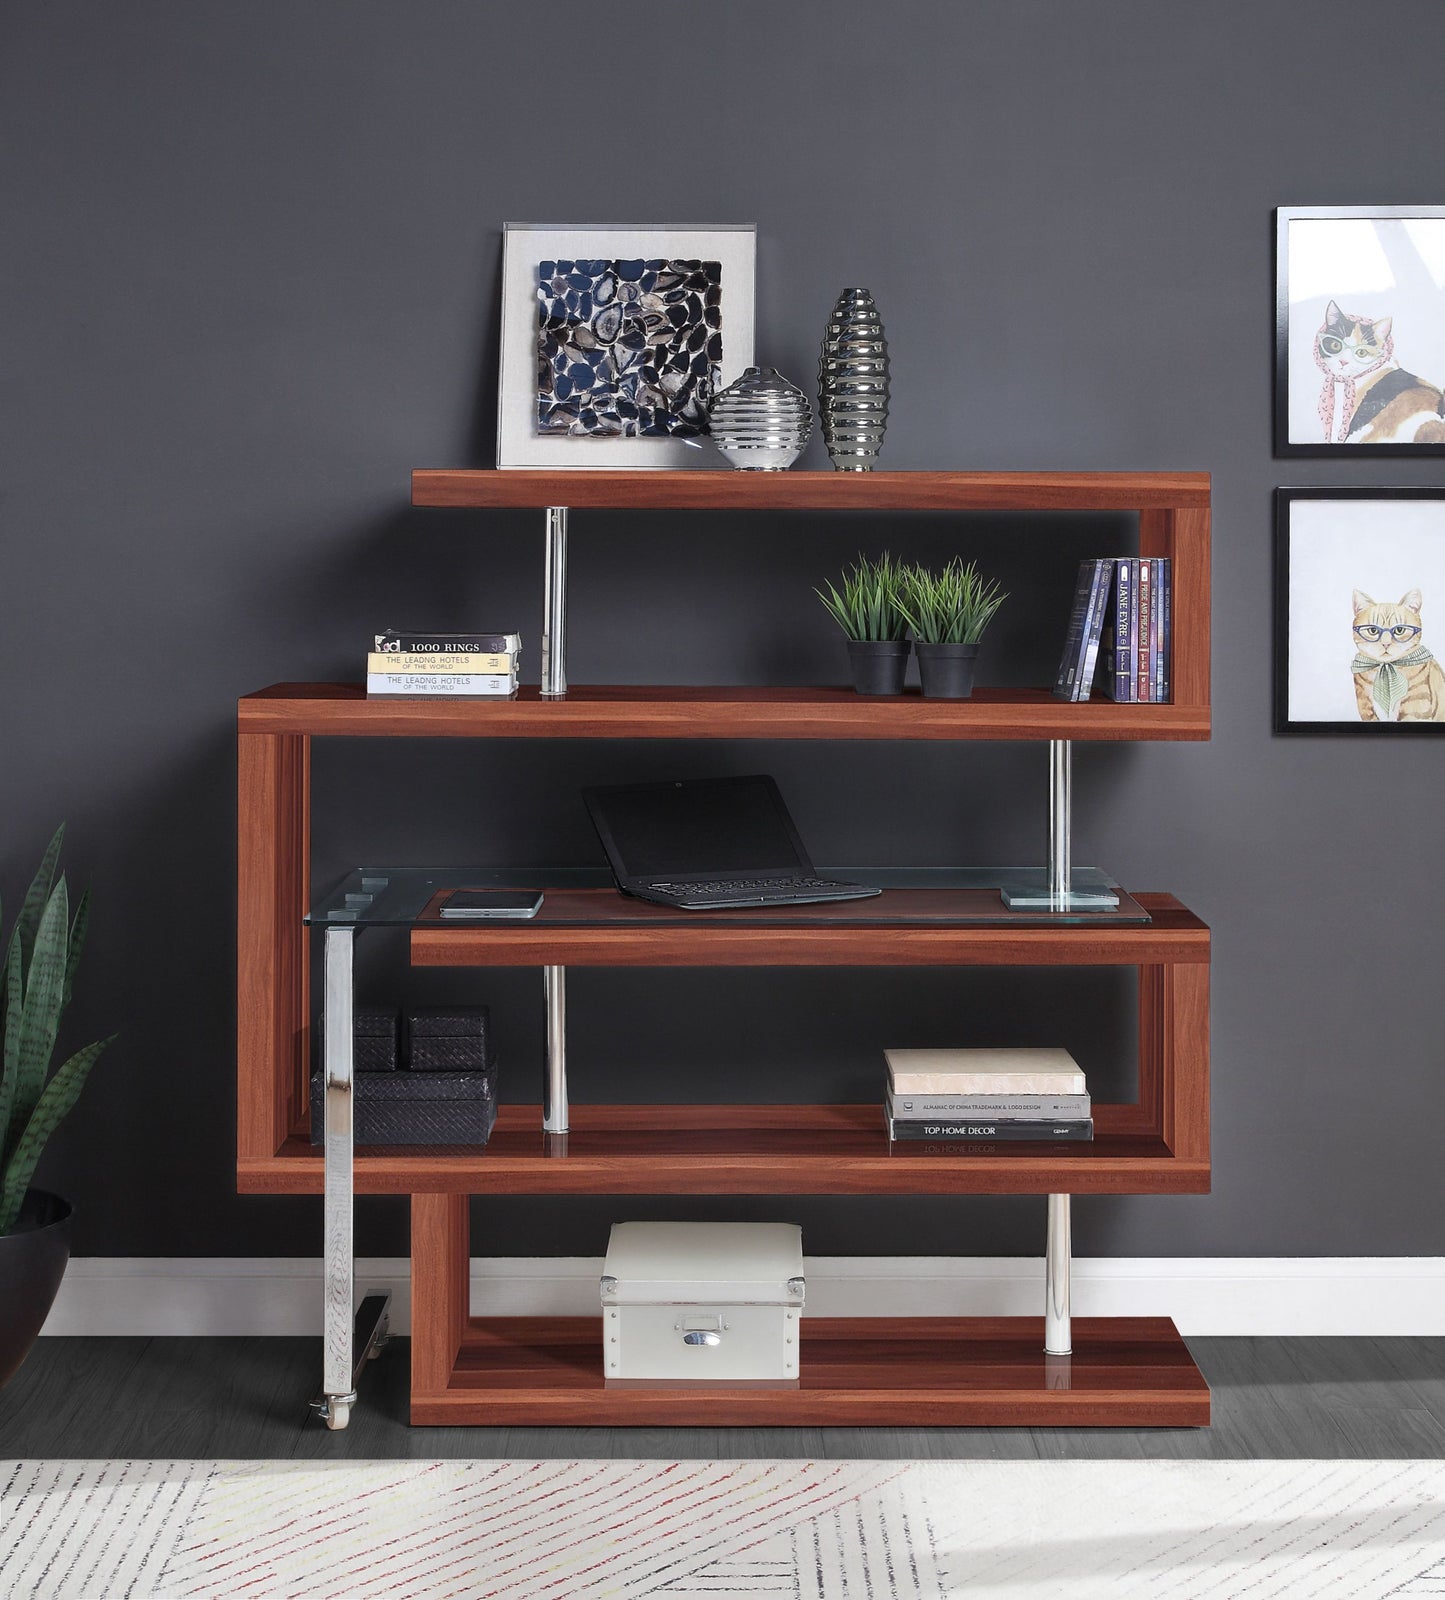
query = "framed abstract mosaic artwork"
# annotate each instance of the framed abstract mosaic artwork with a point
(1359, 611)
(1360, 330)
(614, 340)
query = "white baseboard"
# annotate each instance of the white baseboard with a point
(1353, 1295)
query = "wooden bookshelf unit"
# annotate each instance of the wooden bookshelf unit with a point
(882, 1371)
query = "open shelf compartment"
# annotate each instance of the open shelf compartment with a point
(1159, 1144)
(853, 1372)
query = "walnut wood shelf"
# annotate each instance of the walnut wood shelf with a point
(633, 712)
(1173, 510)
(855, 1372)
(744, 1149)
(600, 928)
(813, 491)
(1159, 1144)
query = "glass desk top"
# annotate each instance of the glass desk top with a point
(581, 897)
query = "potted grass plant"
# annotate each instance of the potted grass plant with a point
(866, 608)
(948, 612)
(40, 961)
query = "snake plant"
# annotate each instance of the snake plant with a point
(40, 962)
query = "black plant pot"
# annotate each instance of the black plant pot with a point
(878, 665)
(946, 670)
(32, 1263)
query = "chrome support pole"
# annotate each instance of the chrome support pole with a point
(350, 1336)
(1058, 1337)
(338, 1391)
(1061, 819)
(554, 616)
(554, 1090)
(1057, 887)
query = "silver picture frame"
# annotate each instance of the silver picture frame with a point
(524, 245)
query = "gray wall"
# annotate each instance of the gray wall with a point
(250, 270)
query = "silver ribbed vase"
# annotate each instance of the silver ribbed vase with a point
(761, 422)
(853, 382)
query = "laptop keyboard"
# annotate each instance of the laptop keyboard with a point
(748, 886)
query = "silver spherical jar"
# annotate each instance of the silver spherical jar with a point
(853, 382)
(761, 422)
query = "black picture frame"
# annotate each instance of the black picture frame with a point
(1283, 445)
(1285, 500)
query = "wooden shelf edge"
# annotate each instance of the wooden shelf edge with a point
(841, 1409)
(602, 711)
(767, 1150)
(842, 945)
(381, 1175)
(705, 489)
(857, 1372)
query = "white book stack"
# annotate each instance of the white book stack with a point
(988, 1095)
(476, 666)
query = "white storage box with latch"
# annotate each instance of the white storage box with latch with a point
(702, 1302)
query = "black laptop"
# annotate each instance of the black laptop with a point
(708, 845)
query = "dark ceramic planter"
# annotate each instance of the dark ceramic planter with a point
(878, 665)
(946, 670)
(32, 1263)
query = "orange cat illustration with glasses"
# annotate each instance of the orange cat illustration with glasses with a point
(1396, 677)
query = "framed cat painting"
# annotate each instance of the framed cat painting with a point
(1360, 330)
(1360, 611)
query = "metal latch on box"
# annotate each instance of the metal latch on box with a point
(701, 1330)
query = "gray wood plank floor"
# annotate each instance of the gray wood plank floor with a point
(246, 1398)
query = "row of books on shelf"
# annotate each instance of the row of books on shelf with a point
(986, 1096)
(1120, 631)
(469, 665)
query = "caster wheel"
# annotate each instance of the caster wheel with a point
(338, 1414)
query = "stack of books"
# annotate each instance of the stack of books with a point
(467, 664)
(1121, 627)
(986, 1095)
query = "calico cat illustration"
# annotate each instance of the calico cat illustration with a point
(1396, 677)
(1379, 402)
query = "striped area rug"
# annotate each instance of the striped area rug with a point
(693, 1530)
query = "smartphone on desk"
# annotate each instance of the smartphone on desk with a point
(472, 904)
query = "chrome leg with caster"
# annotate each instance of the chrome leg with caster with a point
(1058, 1335)
(370, 1335)
(350, 1337)
(337, 1390)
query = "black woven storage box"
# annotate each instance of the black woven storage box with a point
(425, 1108)
(449, 1039)
(375, 1033)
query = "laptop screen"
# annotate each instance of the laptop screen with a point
(719, 827)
